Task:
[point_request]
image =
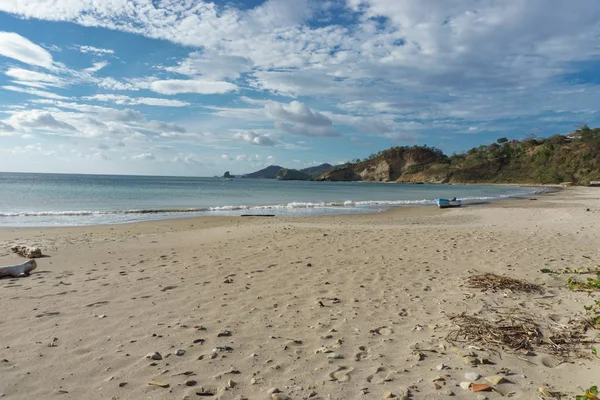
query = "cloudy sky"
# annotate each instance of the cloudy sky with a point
(191, 87)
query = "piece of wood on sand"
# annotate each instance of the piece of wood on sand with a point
(19, 270)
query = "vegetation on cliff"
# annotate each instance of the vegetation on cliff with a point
(573, 158)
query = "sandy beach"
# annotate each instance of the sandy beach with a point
(336, 307)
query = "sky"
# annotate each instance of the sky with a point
(190, 87)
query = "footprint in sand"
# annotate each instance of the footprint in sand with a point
(381, 375)
(383, 331)
(342, 374)
(362, 354)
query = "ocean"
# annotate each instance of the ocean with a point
(28, 199)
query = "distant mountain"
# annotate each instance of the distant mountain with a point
(267, 173)
(316, 171)
(275, 171)
(292, 175)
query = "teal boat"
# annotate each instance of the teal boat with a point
(448, 203)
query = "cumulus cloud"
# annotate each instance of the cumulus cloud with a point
(165, 127)
(297, 112)
(306, 130)
(15, 46)
(176, 86)
(6, 128)
(255, 139)
(36, 119)
(212, 66)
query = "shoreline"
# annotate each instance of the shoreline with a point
(342, 208)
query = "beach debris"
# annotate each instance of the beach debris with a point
(279, 396)
(513, 331)
(154, 356)
(465, 385)
(480, 387)
(27, 251)
(517, 330)
(191, 382)
(222, 349)
(224, 333)
(495, 379)
(19, 270)
(389, 395)
(496, 283)
(159, 384)
(231, 384)
(441, 367)
(335, 356)
(122, 384)
(179, 352)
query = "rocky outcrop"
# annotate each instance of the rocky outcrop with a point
(292, 175)
(398, 164)
(228, 175)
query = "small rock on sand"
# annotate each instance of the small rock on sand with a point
(180, 352)
(154, 356)
(472, 376)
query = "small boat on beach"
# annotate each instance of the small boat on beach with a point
(448, 203)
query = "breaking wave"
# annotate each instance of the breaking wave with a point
(233, 208)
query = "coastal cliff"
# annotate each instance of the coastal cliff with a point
(572, 159)
(399, 164)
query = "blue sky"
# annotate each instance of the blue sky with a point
(197, 87)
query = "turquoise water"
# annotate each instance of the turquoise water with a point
(65, 199)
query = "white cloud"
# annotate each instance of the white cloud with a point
(15, 46)
(307, 130)
(27, 77)
(35, 92)
(6, 128)
(212, 66)
(176, 86)
(95, 50)
(144, 156)
(37, 119)
(160, 126)
(113, 84)
(297, 112)
(97, 66)
(255, 139)
(126, 100)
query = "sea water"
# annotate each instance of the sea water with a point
(71, 199)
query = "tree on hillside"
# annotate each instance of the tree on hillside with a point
(502, 140)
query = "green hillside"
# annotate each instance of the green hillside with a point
(573, 158)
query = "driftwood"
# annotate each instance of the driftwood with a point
(26, 251)
(19, 270)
